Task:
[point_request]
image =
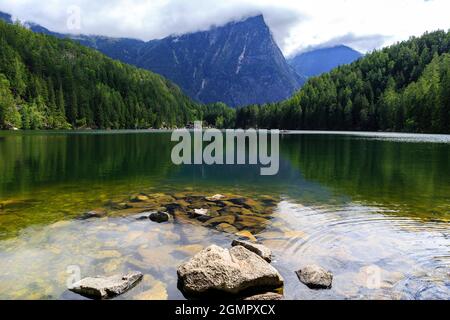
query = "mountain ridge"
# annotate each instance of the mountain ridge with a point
(404, 87)
(321, 60)
(51, 83)
(238, 63)
(242, 64)
(6, 17)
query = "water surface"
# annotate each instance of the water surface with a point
(351, 202)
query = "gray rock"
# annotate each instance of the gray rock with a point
(159, 217)
(106, 287)
(315, 277)
(96, 213)
(228, 271)
(259, 249)
(201, 212)
(215, 198)
(266, 297)
(139, 198)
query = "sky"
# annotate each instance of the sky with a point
(297, 25)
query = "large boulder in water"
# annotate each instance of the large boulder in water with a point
(315, 277)
(230, 271)
(106, 287)
(259, 249)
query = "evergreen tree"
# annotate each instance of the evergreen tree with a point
(58, 84)
(404, 87)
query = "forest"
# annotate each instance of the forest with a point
(403, 88)
(50, 83)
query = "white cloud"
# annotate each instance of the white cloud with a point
(296, 24)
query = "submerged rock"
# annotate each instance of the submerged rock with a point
(225, 227)
(174, 208)
(246, 234)
(159, 217)
(190, 249)
(266, 297)
(112, 265)
(216, 197)
(228, 271)
(224, 212)
(161, 198)
(315, 277)
(252, 221)
(259, 249)
(247, 203)
(120, 206)
(139, 198)
(203, 215)
(96, 213)
(203, 218)
(106, 287)
(238, 201)
(157, 292)
(106, 254)
(222, 219)
(233, 210)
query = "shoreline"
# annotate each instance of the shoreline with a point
(394, 136)
(282, 131)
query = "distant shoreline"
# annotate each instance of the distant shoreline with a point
(405, 136)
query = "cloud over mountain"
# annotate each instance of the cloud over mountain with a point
(295, 24)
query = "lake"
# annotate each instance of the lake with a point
(374, 208)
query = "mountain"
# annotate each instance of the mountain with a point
(403, 88)
(238, 64)
(316, 62)
(51, 83)
(5, 17)
(40, 29)
(123, 49)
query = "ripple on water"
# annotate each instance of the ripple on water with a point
(362, 246)
(372, 253)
